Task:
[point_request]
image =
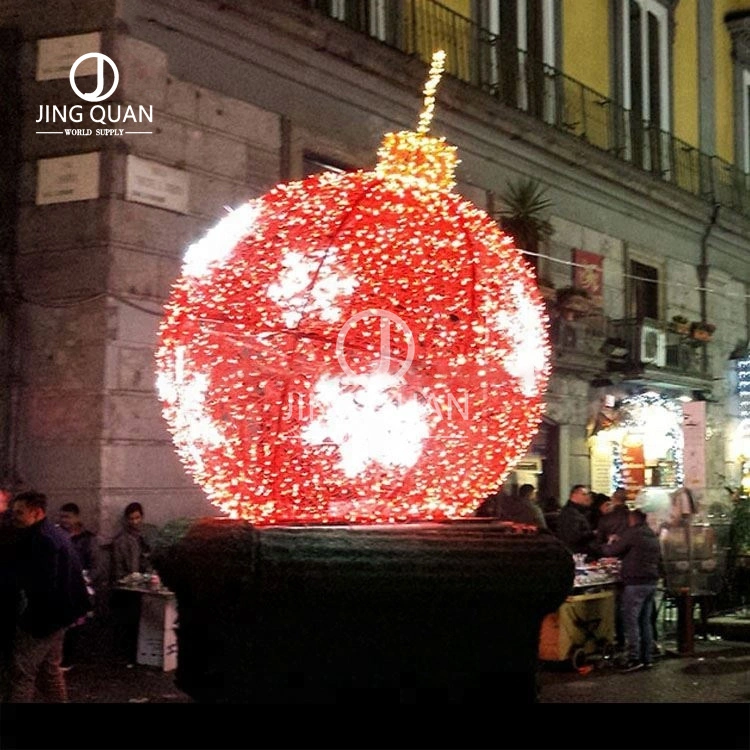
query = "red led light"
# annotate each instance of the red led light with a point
(363, 347)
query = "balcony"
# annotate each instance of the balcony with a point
(477, 57)
(576, 344)
(650, 350)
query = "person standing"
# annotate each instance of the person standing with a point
(611, 526)
(574, 525)
(521, 508)
(84, 541)
(87, 547)
(131, 546)
(53, 596)
(640, 552)
(614, 521)
(131, 553)
(9, 594)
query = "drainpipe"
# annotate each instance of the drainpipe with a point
(685, 626)
(703, 279)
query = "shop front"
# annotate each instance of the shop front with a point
(651, 442)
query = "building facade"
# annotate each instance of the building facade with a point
(629, 118)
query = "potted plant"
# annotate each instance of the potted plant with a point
(522, 216)
(680, 324)
(702, 331)
(547, 289)
(573, 301)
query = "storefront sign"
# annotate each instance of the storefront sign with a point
(67, 178)
(601, 468)
(633, 468)
(743, 387)
(56, 56)
(694, 453)
(587, 274)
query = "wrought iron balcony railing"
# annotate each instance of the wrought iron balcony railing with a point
(653, 345)
(476, 56)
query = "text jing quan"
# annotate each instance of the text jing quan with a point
(101, 113)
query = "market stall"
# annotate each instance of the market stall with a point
(157, 638)
(584, 624)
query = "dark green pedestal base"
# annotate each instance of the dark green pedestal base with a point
(446, 612)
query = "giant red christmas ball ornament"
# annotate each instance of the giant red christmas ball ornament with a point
(361, 347)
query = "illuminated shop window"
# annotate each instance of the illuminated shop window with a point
(642, 445)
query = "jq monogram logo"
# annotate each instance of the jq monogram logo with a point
(96, 95)
(386, 319)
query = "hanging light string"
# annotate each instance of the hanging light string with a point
(632, 277)
(62, 302)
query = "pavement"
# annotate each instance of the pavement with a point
(717, 672)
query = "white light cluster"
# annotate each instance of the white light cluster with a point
(310, 284)
(363, 416)
(527, 357)
(220, 240)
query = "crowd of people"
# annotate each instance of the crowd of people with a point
(55, 578)
(596, 525)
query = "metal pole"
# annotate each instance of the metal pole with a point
(685, 624)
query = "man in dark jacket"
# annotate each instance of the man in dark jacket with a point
(614, 520)
(521, 508)
(54, 595)
(612, 524)
(640, 552)
(574, 524)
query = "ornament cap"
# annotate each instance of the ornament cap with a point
(426, 161)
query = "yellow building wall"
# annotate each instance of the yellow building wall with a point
(724, 79)
(585, 43)
(443, 28)
(685, 73)
(459, 6)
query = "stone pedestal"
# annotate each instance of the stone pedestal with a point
(446, 612)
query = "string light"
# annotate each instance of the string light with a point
(355, 347)
(656, 418)
(436, 72)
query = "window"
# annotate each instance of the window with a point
(643, 299)
(738, 24)
(644, 35)
(378, 18)
(525, 43)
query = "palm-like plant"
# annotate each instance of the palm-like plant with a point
(522, 215)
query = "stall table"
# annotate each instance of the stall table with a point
(584, 624)
(157, 639)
